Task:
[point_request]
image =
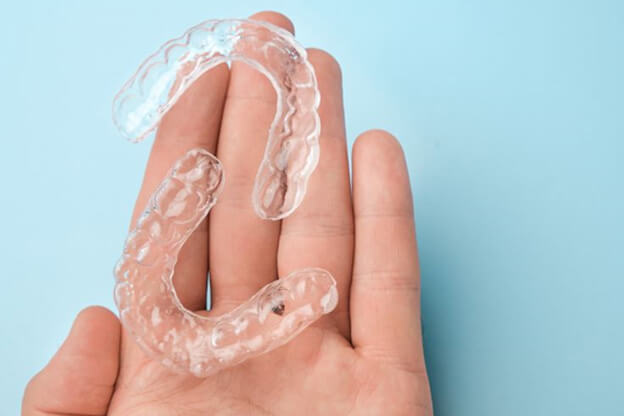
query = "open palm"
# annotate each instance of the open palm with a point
(365, 358)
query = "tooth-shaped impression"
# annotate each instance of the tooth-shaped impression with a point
(144, 293)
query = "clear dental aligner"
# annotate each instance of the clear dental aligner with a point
(144, 293)
(292, 149)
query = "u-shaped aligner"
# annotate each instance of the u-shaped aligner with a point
(144, 293)
(291, 153)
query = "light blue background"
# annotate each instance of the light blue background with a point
(512, 117)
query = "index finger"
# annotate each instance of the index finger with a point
(193, 121)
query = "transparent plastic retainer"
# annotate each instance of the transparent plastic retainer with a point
(149, 307)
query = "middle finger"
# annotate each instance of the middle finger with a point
(243, 246)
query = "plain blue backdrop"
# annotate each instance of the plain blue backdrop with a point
(512, 118)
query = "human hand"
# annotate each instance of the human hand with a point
(365, 358)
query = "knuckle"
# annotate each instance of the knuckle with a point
(387, 280)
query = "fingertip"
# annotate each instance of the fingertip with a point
(99, 314)
(380, 178)
(96, 325)
(324, 62)
(275, 18)
(377, 143)
(95, 333)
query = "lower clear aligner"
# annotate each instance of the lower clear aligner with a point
(144, 293)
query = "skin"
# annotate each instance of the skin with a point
(365, 358)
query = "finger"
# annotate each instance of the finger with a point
(385, 291)
(320, 232)
(243, 249)
(193, 121)
(80, 377)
